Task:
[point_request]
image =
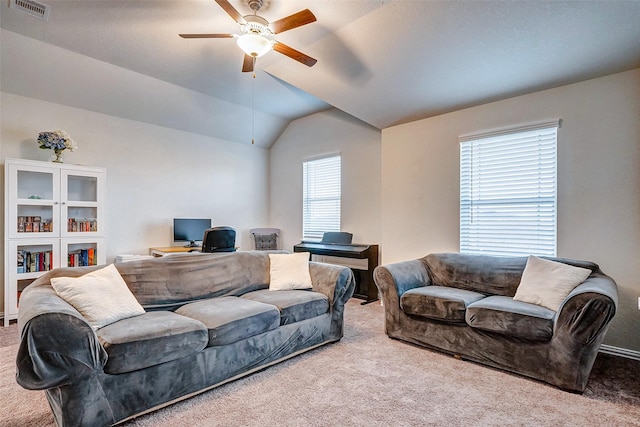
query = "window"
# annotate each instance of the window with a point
(320, 197)
(508, 192)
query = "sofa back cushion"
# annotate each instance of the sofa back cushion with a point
(490, 275)
(479, 273)
(171, 281)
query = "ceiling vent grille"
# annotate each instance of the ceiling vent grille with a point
(32, 8)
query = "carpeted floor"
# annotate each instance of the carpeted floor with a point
(368, 379)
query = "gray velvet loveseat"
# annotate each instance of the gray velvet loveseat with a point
(207, 319)
(464, 305)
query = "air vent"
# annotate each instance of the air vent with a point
(33, 8)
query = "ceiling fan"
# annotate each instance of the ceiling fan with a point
(256, 33)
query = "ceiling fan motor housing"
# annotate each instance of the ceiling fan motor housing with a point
(256, 25)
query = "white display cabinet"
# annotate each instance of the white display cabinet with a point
(54, 217)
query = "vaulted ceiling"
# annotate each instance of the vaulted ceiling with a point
(383, 62)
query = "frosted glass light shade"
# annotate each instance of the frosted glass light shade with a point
(254, 45)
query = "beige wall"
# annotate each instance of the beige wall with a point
(324, 133)
(598, 181)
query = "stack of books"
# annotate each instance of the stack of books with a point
(31, 262)
(82, 258)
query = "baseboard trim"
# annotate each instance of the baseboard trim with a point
(618, 351)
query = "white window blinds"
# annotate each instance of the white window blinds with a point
(508, 192)
(321, 197)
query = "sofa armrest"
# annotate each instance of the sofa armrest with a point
(57, 344)
(334, 281)
(396, 279)
(338, 284)
(579, 329)
(392, 281)
(585, 313)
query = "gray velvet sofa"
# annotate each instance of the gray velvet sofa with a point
(463, 305)
(209, 319)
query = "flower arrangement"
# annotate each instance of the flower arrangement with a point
(58, 141)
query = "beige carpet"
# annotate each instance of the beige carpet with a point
(368, 379)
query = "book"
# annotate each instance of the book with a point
(21, 260)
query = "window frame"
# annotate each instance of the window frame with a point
(324, 197)
(508, 187)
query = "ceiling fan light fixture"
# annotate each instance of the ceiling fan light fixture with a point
(254, 44)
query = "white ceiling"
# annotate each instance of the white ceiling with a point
(383, 62)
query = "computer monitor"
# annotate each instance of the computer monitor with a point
(190, 230)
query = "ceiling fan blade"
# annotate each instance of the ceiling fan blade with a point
(293, 21)
(247, 65)
(206, 36)
(294, 54)
(231, 11)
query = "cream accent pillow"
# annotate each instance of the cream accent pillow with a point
(289, 271)
(101, 296)
(547, 283)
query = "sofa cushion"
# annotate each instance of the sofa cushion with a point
(489, 275)
(289, 271)
(438, 302)
(547, 283)
(231, 319)
(506, 316)
(294, 305)
(150, 339)
(101, 296)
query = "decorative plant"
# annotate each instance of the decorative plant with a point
(58, 141)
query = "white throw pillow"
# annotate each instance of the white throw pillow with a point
(101, 296)
(547, 283)
(289, 271)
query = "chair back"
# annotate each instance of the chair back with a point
(219, 239)
(265, 239)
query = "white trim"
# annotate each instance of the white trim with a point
(508, 186)
(621, 352)
(321, 156)
(503, 131)
(321, 196)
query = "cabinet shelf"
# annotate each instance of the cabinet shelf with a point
(34, 234)
(82, 204)
(66, 199)
(27, 276)
(35, 202)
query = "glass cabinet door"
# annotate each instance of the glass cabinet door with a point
(80, 203)
(35, 211)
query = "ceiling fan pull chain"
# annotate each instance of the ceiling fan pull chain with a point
(253, 102)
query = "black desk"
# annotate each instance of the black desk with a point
(365, 286)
